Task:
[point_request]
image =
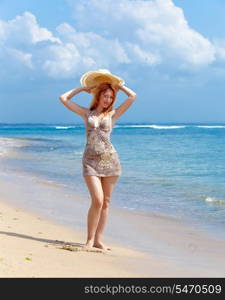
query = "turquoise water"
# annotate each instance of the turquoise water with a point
(174, 169)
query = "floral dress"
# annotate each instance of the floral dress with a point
(100, 157)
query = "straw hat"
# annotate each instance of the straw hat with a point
(99, 76)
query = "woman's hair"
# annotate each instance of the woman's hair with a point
(101, 89)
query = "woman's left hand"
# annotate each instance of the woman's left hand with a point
(116, 88)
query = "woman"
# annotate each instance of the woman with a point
(101, 165)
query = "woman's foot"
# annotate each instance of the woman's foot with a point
(100, 245)
(88, 245)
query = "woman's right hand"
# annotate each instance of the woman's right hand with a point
(88, 89)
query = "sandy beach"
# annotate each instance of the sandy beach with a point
(33, 245)
(30, 247)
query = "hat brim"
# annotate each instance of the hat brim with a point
(97, 77)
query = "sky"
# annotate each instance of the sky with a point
(170, 52)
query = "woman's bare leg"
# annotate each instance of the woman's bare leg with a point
(95, 189)
(108, 184)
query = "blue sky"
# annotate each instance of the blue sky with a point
(171, 53)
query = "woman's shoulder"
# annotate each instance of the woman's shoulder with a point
(87, 113)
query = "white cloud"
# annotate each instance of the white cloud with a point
(108, 34)
(24, 45)
(25, 30)
(20, 56)
(102, 50)
(157, 28)
(145, 57)
(65, 61)
(220, 50)
(64, 55)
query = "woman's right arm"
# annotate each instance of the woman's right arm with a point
(78, 109)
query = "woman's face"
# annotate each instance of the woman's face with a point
(106, 98)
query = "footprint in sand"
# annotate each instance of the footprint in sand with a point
(92, 249)
(76, 247)
(73, 248)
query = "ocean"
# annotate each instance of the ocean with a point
(167, 169)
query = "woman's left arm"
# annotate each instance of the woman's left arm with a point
(126, 104)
